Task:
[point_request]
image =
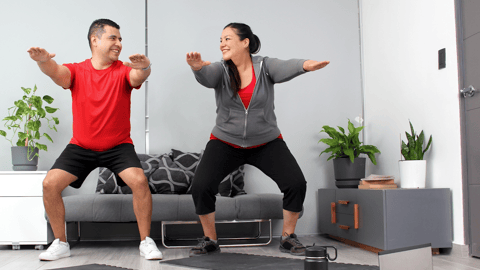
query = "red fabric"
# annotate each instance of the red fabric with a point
(245, 95)
(100, 105)
(212, 137)
(247, 92)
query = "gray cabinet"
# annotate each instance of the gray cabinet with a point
(387, 219)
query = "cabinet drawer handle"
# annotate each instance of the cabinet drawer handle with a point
(355, 216)
(333, 212)
(344, 227)
(343, 202)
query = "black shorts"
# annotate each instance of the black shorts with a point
(80, 161)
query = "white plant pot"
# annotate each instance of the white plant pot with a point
(413, 173)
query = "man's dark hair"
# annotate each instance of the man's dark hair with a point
(98, 28)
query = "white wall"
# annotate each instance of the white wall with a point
(61, 27)
(182, 112)
(401, 40)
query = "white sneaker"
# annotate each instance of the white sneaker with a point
(149, 250)
(57, 250)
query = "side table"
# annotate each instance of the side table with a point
(22, 211)
(387, 219)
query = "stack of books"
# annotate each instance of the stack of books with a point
(375, 181)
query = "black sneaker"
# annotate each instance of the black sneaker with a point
(205, 246)
(292, 245)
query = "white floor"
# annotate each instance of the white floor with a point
(125, 254)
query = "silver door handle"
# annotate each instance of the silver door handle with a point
(468, 92)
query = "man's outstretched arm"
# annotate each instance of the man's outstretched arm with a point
(140, 69)
(60, 74)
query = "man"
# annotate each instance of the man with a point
(101, 94)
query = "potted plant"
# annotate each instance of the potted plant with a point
(413, 170)
(345, 151)
(25, 119)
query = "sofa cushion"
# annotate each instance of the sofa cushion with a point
(169, 207)
(168, 178)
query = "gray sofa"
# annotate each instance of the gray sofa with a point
(171, 175)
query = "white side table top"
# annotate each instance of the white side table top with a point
(22, 172)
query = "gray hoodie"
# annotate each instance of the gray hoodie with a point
(257, 124)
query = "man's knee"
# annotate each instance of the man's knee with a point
(139, 183)
(53, 183)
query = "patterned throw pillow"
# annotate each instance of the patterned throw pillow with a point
(168, 178)
(233, 184)
(107, 183)
(149, 163)
(187, 161)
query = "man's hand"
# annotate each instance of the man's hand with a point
(60, 74)
(138, 61)
(312, 65)
(194, 59)
(40, 55)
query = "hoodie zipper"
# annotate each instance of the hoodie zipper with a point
(246, 109)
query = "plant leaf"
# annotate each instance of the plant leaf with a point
(48, 137)
(329, 142)
(22, 136)
(372, 158)
(55, 119)
(27, 90)
(428, 144)
(351, 127)
(411, 128)
(3, 133)
(10, 118)
(48, 99)
(50, 109)
(350, 154)
(41, 146)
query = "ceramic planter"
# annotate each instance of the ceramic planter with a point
(413, 173)
(348, 174)
(20, 161)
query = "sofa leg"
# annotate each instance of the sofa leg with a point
(259, 221)
(77, 229)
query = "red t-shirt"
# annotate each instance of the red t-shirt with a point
(100, 105)
(245, 95)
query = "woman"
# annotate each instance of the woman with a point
(246, 130)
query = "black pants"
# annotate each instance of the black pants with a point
(274, 159)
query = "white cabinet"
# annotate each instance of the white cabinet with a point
(22, 213)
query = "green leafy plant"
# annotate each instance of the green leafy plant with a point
(25, 118)
(343, 145)
(413, 149)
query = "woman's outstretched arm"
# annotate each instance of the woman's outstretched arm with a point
(312, 65)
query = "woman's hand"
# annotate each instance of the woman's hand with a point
(312, 65)
(194, 59)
